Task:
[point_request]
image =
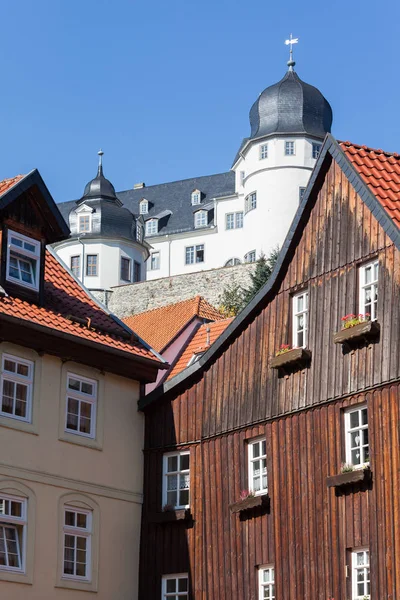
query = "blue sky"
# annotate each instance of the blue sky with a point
(165, 87)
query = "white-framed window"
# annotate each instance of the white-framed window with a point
(92, 265)
(81, 403)
(257, 453)
(232, 262)
(360, 575)
(368, 304)
(200, 218)
(250, 257)
(143, 207)
(234, 220)
(125, 268)
(152, 227)
(266, 583)
(84, 222)
(16, 387)
(23, 260)
(242, 177)
(176, 479)
(250, 202)
(263, 151)
(194, 254)
(13, 521)
(316, 149)
(300, 319)
(75, 265)
(175, 587)
(77, 532)
(154, 261)
(289, 148)
(196, 197)
(301, 193)
(357, 442)
(139, 231)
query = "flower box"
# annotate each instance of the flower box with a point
(362, 331)
(291, 358)
(250, 503)
(356, 477)
(172, 516)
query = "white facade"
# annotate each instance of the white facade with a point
(276, 178)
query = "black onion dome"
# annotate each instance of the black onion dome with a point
(290, 106)
(99, 187)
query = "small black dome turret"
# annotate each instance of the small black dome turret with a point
(291, 106)
(99, 187)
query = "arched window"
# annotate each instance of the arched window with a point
(143, 207)
(196, 197)
(232, 261)
(250, 202)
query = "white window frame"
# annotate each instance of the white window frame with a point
(17, 380)
(232, 262)
(177, 576)
(250, 202)
(193, 251)
(143, 207)
(234, 220)
(82, 397)
(316, 149)
(371, 285)
(81, 216)
(78, 256)
(242, 177)
(151, 227)
(87, 274)
(258, 442)
(200, 218)
(31, 257)
(83, 532)
(355, 568)
(250, 257)
(263, 151)
(295, 319)
(179, 473)
(351, 430)
(19, 525)
(155, 261)
(123, 258)
(268, 586)
(196, 197)
(290, 148)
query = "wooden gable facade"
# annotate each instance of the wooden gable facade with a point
(304, 529)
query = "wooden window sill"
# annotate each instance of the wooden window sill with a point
(250, 504)
(293, 358)
(181, 515)
(361, 332)
(358, 477)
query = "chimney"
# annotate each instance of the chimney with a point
(139, 186)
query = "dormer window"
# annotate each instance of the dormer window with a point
(23, 260)
(84, 223)
(152, 227)
(144, 207)
(196, 197)
(200, 218)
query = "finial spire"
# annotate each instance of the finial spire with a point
(290, 43)
(100, 169)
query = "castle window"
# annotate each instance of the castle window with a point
(200, 218)
(194, 254)
(125, 269)
(91, 265)
(154, 261)
(23, 260)
(232, 262)
(16, 389)
(196, 197)
(234, 220)
(289, 148)
(84, 223)
(12, 533)
(75, 265)
(144, 207)
(263, 151)
(316, 149)
(152, 227)
(300, 320)
(250, 202)
(250, 257)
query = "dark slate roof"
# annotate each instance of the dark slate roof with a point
(290, 106)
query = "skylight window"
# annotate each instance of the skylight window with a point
(23, 260)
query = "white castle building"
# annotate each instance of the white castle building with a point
(204, 222)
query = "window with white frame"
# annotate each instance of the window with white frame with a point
(357, 442)
(258, 481)
(139, 231)
(232, 262)
(200, 218)
(75, 265)
(289, 148)
(242, 177)
(369, 290)
(16, 387)
(250, 257)
(81, 405)
(250, 202)
(84, 222)
(266, 583)
(300, 319)
(13, 521)
(176, 479)
(196, 197)
(92, 265)
(316, 149)
(194, 254)
(77, 532)
(125, 268)
(154, 261)
(175, 587)
(152, 227)
(23, 260)
(143, 207)
(234, 220)
(263, 151)
(360, 575)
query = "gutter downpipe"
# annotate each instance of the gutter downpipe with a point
(83, 260)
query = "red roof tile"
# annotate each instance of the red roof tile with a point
(204, 337)
(6, 184)
(161, 325)
(381, 172)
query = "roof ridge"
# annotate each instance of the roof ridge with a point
(175, 181)
(369, 148)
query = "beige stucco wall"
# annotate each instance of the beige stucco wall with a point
(51, 466)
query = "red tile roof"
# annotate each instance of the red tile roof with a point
(204, 337)
(6, 184)
(381, 172)
(161, 325)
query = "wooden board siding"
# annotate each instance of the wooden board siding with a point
(309, 528)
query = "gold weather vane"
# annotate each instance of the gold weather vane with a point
(290, 43)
